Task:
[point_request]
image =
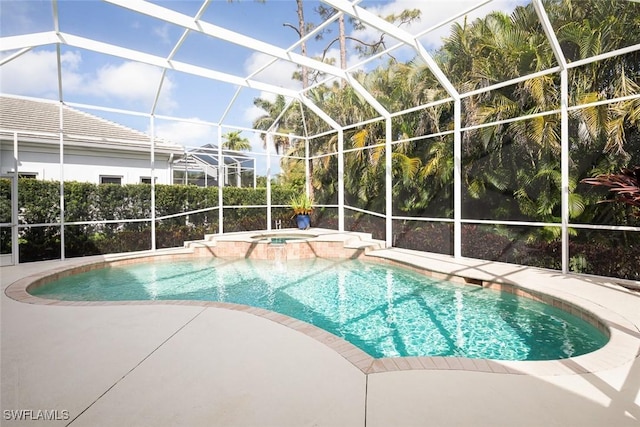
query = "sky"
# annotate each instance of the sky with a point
(96, 79)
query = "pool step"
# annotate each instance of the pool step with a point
(363, 241)
(324, 243)
(199, 243)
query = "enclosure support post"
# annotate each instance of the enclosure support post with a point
(307, 168)
(153, 183)
(388, 184)
(457, 178)
(340, 180)
(564, 128)
(15, 247)
(269, 139)
(564, 165)
(61, 135)
(220, 182)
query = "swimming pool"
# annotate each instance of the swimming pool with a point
(385, 310)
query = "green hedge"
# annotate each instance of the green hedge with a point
(39, 203)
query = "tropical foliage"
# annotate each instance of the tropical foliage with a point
(511, 170)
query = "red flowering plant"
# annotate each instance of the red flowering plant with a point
(624, 185)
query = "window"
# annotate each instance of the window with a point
(109, 179)
(29, 175)
(147, 180)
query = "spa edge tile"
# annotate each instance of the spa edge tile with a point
(328, 338)
(316, 332)
(440, 362)
(515, 371)
(364, 365)
(361, 361)
(377, 367)
(354, 353)
(425, 362)
(272, 315)
(497, 367)
(389, 364)
(481, 365)
(289, 321)
(402, 364)
(467, 364)
(453, 363)
(343, 346)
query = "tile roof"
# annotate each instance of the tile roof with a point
(28, 115)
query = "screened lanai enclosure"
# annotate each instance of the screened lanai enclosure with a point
(464, 128)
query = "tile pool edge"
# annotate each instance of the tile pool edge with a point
(621, 348)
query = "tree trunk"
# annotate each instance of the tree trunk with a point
(343, 43)
(305, 83)
(303, 45)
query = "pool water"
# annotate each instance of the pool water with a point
(384, 310)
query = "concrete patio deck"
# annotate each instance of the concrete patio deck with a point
(186, 364)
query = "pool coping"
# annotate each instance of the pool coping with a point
(624, 336)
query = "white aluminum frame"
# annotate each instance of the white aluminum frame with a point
(24, 43)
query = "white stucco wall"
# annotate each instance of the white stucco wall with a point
(86, 166)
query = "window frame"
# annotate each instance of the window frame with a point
(111, 177)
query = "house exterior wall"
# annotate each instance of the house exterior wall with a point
(86, 165)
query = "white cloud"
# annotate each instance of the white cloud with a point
(163, 33)
(278, 74)
(186, 133)
(132, 82)
(252, 112)
(434, 12)
(36, 74)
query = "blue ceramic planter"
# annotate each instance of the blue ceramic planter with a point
(304, 221)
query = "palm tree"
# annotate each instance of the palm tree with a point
(235, 142)
(273, 110)
(511, 170)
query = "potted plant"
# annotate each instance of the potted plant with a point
(302, 206)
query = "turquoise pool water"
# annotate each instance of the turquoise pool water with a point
(385, 310)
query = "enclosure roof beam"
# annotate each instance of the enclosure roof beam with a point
(273, 127)
(20, 42)
(221, 33)
(551, 35)
(324, 116)
(174, 65)
(28, 40)
(368, 97)
(175, 49)
(14, 55)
